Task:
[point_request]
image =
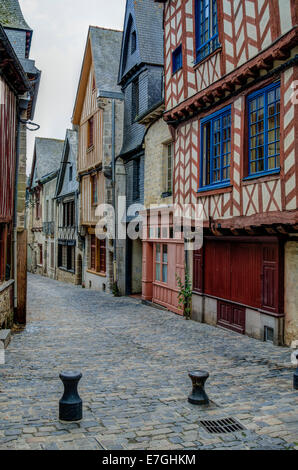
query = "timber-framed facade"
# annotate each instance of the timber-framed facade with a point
(230, 106)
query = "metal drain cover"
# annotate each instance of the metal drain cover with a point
(222, 426)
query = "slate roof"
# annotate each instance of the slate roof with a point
(47, 158)
(148, 20)
(11, 15)
(70, 151)
(106, 48)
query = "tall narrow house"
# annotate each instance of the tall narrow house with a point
(16, 38)
(230, 73)
(140, 78)
(68, 260)
(97, 116)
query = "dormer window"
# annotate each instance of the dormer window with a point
(133, 42)
(70, 173)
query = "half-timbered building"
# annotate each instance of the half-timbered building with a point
(13, 83)
(41, 207)
(68, 259)
(98, 118)
(230, 73)
(18, 35)
(140, 78)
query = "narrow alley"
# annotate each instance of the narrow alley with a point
(135, 361)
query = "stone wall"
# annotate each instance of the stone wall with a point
(6, 304)
(65, 276)
(291, 292)
(157, 136)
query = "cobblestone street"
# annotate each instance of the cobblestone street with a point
(134, 361)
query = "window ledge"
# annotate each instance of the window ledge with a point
(262, 176)
(71, 271)
(96, 273)
(220, 188)
(200, 62)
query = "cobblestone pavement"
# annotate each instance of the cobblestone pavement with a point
(134, 361)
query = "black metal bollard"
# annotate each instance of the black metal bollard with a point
(198, 395)
(70, 405)
(295, 379)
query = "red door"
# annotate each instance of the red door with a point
(231, 316)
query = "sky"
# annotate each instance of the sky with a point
(59, 37)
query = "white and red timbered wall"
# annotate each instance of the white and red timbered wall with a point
(245, 27)
(7, 151)
(267, 195)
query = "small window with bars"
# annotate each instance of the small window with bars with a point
(90, 133)
(168, 169)
(177, 59)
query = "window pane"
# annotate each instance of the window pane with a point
(157, 253)
(157, 272)
(165, 254)
(164, 273)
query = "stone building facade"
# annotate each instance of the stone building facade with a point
(41, 205)
(140, 78)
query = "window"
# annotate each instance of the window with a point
(136, 179)
(40, 254)
(3, 245)
(94, 196)
(90, 140)
(133, 42)
(70, 173)
(52, 255)
(135, 100)
(206, 28)
(264, 131)
(66, 256)
(97, 255)
(168, 169)
(216, 149)
(93, 83)
(161, 263)
(68, 214)
(177, 59)
(38, 205)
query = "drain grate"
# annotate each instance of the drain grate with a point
(222, 426)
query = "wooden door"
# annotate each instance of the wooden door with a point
(231, 316)
(168, 260)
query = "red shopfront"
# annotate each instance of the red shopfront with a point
(241, 273)
(163, 260)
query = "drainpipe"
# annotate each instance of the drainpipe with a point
(114, 190)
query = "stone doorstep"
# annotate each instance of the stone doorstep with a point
(5, 337)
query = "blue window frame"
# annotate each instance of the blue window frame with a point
(206, 28)
(216, 150)
(177, 59)
(264, 131)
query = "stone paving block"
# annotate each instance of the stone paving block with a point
(140, 401)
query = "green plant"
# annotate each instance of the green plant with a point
(185, 294)
(115, 290)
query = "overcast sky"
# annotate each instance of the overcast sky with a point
(59, 36)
